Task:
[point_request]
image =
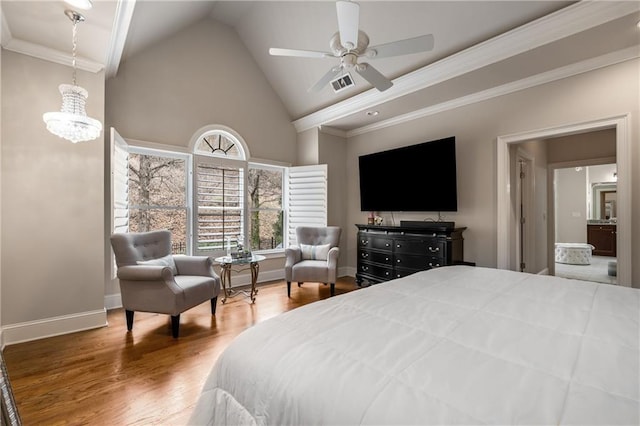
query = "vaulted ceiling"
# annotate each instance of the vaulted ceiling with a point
(482, 48)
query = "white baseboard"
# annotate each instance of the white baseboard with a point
(347, 271)
(112, 301)
(49, 327)
(545, 271)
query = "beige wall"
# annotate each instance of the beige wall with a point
(307, 144)
(584, 146)
(332, 151)
(203, 75)
(571, 205)
(606, 92)
(52, 198)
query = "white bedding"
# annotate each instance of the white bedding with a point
(454, 345)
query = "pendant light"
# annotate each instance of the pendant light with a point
(72, 122)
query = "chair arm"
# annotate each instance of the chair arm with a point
(293, 255)
(145, 273)
(194, 265)
(332, 263)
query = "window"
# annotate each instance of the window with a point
(213, 199)
(219, 200)
(264, 193)
(158, 194)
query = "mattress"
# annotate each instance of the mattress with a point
(452, 345)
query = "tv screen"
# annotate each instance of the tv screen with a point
(419, 177)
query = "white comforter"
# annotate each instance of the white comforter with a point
(454, 345)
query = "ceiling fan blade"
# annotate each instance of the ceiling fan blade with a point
(373, 76)
(333, 72)
(274, 51)
(402, 47)
(348, 21)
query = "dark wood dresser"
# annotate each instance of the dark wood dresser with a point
(388, 252)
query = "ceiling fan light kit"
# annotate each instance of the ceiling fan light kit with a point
(72, 122)
(350, 43)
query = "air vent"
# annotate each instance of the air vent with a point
(342, 82)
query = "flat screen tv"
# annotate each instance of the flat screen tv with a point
(414, 178)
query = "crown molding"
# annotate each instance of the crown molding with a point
(563, 23)
(332, 131)
(613, 58)
(121, 24)
(52, 55)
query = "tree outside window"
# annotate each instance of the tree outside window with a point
(265, 204)
(157, 196)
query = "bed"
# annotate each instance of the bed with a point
(452, 345)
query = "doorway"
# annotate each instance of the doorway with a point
(585, 233)
(505, 218)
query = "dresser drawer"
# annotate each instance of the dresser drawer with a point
(413, 261)
(375, 242)
(418, 262)
(384, 273)
(376, 257)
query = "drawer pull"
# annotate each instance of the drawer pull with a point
(434, 250)
(387, 273)
(398, 245)
(387, 245)
(398, 276)
(365, 242)
(398, 261)
(365, 255)
(386, 259)
(434, 266)
(365, 268)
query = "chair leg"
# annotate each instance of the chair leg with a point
(288, 288)
(333, 289)
(175, 325)
(129, 315)
(214, 301)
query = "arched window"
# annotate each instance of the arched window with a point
(219, 182)
(220, 141)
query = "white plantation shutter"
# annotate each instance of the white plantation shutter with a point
(306, 198)
(119, 183)
(219, 212)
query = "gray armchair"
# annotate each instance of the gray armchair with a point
(314, 258)
(153, 280)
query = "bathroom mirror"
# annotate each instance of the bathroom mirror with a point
(603, 201)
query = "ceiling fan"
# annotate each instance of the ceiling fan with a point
(350, 43)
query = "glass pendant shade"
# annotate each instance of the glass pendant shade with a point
(72, 122)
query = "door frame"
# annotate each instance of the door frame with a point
(505, 219)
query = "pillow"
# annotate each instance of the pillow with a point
(161, 261)
(310, 252)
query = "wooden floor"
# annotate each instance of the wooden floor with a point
(108, 376)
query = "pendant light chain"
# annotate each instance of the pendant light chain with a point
(75, 45)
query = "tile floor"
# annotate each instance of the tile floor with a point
(597, 271)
